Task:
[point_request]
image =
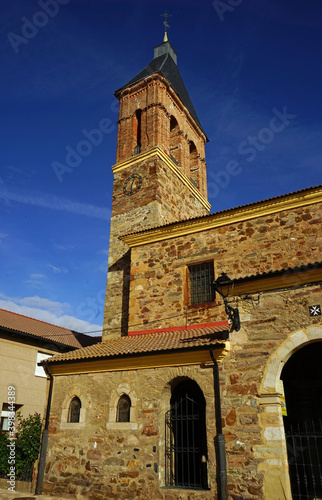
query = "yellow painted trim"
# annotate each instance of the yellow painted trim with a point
(193, 357)
(232, 216)
(277, 282)
(165, 158)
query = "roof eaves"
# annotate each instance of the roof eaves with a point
(215, 344)
(20, 333)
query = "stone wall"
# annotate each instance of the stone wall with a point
(255, 441)
(99, 458)
(159, 295)
(162, 198)
(127, 460)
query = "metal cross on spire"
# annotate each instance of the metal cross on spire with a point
(166, 25)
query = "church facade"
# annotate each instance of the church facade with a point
(212, 329)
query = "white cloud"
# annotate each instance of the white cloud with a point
(64, 248)
(57, 270)
(48, 311)
(36, 280)
(55, 203)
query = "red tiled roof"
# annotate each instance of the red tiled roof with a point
(185, 338)
(30, 326)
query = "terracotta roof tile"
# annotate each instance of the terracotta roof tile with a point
(30, 326)
(149, 343)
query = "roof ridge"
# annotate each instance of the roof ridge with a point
(39, 321)
(165, 59)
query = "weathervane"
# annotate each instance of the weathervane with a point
(166, 25)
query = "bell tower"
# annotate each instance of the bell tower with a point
(160, 169)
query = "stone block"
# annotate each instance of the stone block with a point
(314, 332)
(274, 433)
(298, 338)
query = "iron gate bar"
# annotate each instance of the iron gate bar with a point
(304, 447)
(183, 451)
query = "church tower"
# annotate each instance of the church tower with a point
(160, 170)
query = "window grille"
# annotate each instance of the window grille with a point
(74, 410)
(202, 283)
(123, 409)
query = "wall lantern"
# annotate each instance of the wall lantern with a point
(224, 286)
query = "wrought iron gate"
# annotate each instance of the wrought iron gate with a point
(304, 449)
(184, 465)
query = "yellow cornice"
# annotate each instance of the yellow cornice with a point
(191, 357)
(285, 280)
(165, 158)
(232, 216)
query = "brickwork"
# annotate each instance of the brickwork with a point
(159, 104)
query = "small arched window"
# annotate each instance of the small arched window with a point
(123, 409)
(137, 130)
(174, 140)
(173, 123)
(74, 410)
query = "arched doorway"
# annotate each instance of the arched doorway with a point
(302, 380)
(186, 443)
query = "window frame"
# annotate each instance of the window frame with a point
(119, 411)
(4, 416)
(65, 423)
(116, 394)
(211, 298)
(72, 412)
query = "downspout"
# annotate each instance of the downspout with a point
(220, 438)
(44, 441)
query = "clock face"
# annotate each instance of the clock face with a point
(132, 184)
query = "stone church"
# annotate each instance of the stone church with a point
(207, 383)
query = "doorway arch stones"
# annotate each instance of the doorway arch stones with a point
(272, 451)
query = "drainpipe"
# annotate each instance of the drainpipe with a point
(220, 438)
(44, 441)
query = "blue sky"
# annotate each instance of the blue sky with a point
(253, 72)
